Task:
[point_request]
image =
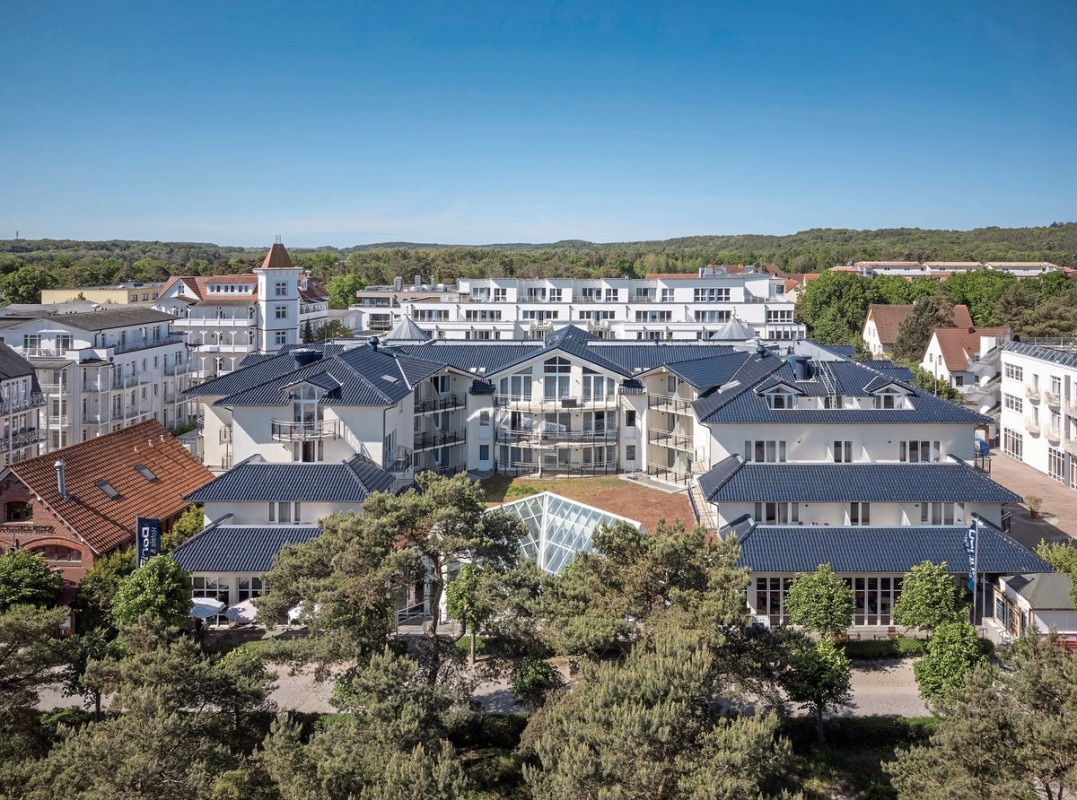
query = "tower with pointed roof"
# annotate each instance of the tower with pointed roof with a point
(277, 314)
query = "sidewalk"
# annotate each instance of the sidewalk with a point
(1058, 516)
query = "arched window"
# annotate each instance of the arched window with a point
(58, 553)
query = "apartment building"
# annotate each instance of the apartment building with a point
(103, 370)
(21, 401)
(1038, 423)
(804, 454)
(941, 270)
(659, 307)
(128, 293)
(225, 317)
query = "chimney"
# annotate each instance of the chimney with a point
(374, 342)
(61, 482)
(304, 356)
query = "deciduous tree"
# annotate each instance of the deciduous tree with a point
(952, 651)
(820, 601)
(160, 591)
(821, 679)
(914, 332)
(929, 598)
(25, 579)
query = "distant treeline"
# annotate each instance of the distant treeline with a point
(64, 263)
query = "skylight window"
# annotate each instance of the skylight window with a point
(145, 472)
(109, 490)
(389, 378)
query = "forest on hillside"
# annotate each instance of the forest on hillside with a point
(70, 263)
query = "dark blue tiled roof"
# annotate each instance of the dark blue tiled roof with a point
(239, 548)
(484, 357)
(944, 482)
(706, 373)
(257, 481)
(633, 358)
(884, 550)
(712, 480)
(256, 370)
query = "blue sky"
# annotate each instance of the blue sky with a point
(344, 123)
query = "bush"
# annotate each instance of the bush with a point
(886, 648)
(463, 644)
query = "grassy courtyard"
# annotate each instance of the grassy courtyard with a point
(616, 495)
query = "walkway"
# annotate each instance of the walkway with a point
(1058, 515)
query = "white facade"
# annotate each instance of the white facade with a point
(21, 402)
(680, 307)
(102, 371)
(940, 270)
(226, 317)
(1038, 425)
(964, 360)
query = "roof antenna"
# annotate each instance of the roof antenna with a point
(278, 238)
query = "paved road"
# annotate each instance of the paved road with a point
(880, 688)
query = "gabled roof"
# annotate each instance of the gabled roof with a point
(12, 365)
(110, 318)
(943, 482)
(706, 373)
(1044, 591)
(958, 345)
(240, 548)
(350, 481)
(88, 510)
(802, 548)
(888, 319)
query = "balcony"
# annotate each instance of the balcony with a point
(292, 431)
(426, 441)
(397, 460)
(20, 439)
(670, 404)
(1070, 445)
(1051, 399)
(27, 403)
(439, 404)
(1070, 407)
(176, 369)
(213, 322)
(142, 344)
(225, 435)
(1032, 426)
(674, 439)
(1033, 393)
(530, 436)
(1053, 433)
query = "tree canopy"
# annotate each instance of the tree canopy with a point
(929, 598)
(159, 590)
(25, 579)
(820, 601)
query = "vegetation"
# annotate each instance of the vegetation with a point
(159, 591)
(914, 333)
(1063, 557)
(951, 653)
(25, 579)
(929, 598)
(820, 601)
(822, 680)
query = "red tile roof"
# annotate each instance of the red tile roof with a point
(105, 523)
(888, 319)
(278, 258)
(959, 344)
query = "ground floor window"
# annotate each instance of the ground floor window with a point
(216, 587)
(1013, 444)
(770, 599)
(67, 555)
(1056, 464)
(249, 588)
(873, 598)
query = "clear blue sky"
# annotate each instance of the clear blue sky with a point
(352, 122)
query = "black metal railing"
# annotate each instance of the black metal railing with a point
(292, 431)
(425, 441)
(439, 403)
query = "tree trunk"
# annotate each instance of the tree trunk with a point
(820, 737)
(472, 647)
(436, 589)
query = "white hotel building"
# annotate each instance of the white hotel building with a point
(1039, 407)
(659, 307)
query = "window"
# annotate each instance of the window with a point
(712, 315)
(280, 338)
(630, 452)
(781, 400)
(555, 295)
(499, 295)
(667, 295)
(1013, 403)
(936, 513)
(482, 315)
(1056, 464)
(916, 452)
(284, 512)
(484, 452)
(761, 451)
(108, 489)
(859, 513)
(280, 312)
(833, 401)
(536, 294)
(671, 384)
(654, 316)
(630, 418)
(779, 315)
(249, 588)
(777, 513)
(611, 295)
(770, 599)
(959, 380)
(557, 380)
(484, 419)
(67, 555)
(889, 400)
(280, 289)
(516, 387)
(596, 387)
(1056, 385)
(711, 295)
(145, 472)
(843, 452)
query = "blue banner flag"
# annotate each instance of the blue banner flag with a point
(147, 539)
(970, 550)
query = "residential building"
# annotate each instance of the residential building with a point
(805, 454)
(1039, 407)
(1040, 602)
(966, 359)
(225, 317)
(941, 270)
(129, 293)
(100, 371)
(21, 401)
(659, 307)
(80, 503)
(884, 320)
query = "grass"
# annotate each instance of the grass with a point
(885, 648)
(616, 495)
(850, 765)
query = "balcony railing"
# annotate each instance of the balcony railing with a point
(674, 439)
(559, 468)
(397, 460)
(439, 403)
(1033, 393)
(176, 369)
(142, 344)
(226, 435)
(1070, 445)
(665, 402)
(672, 474)
(25, 404)
(20, 439)
(1053, 433)
(292, 431)
(1032, 426)
(1070, 407)
(426, 441)
(1051, 398)
(606, 433)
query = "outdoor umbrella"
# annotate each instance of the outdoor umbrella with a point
(242, 613)
(205, 608)
(295, 613)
